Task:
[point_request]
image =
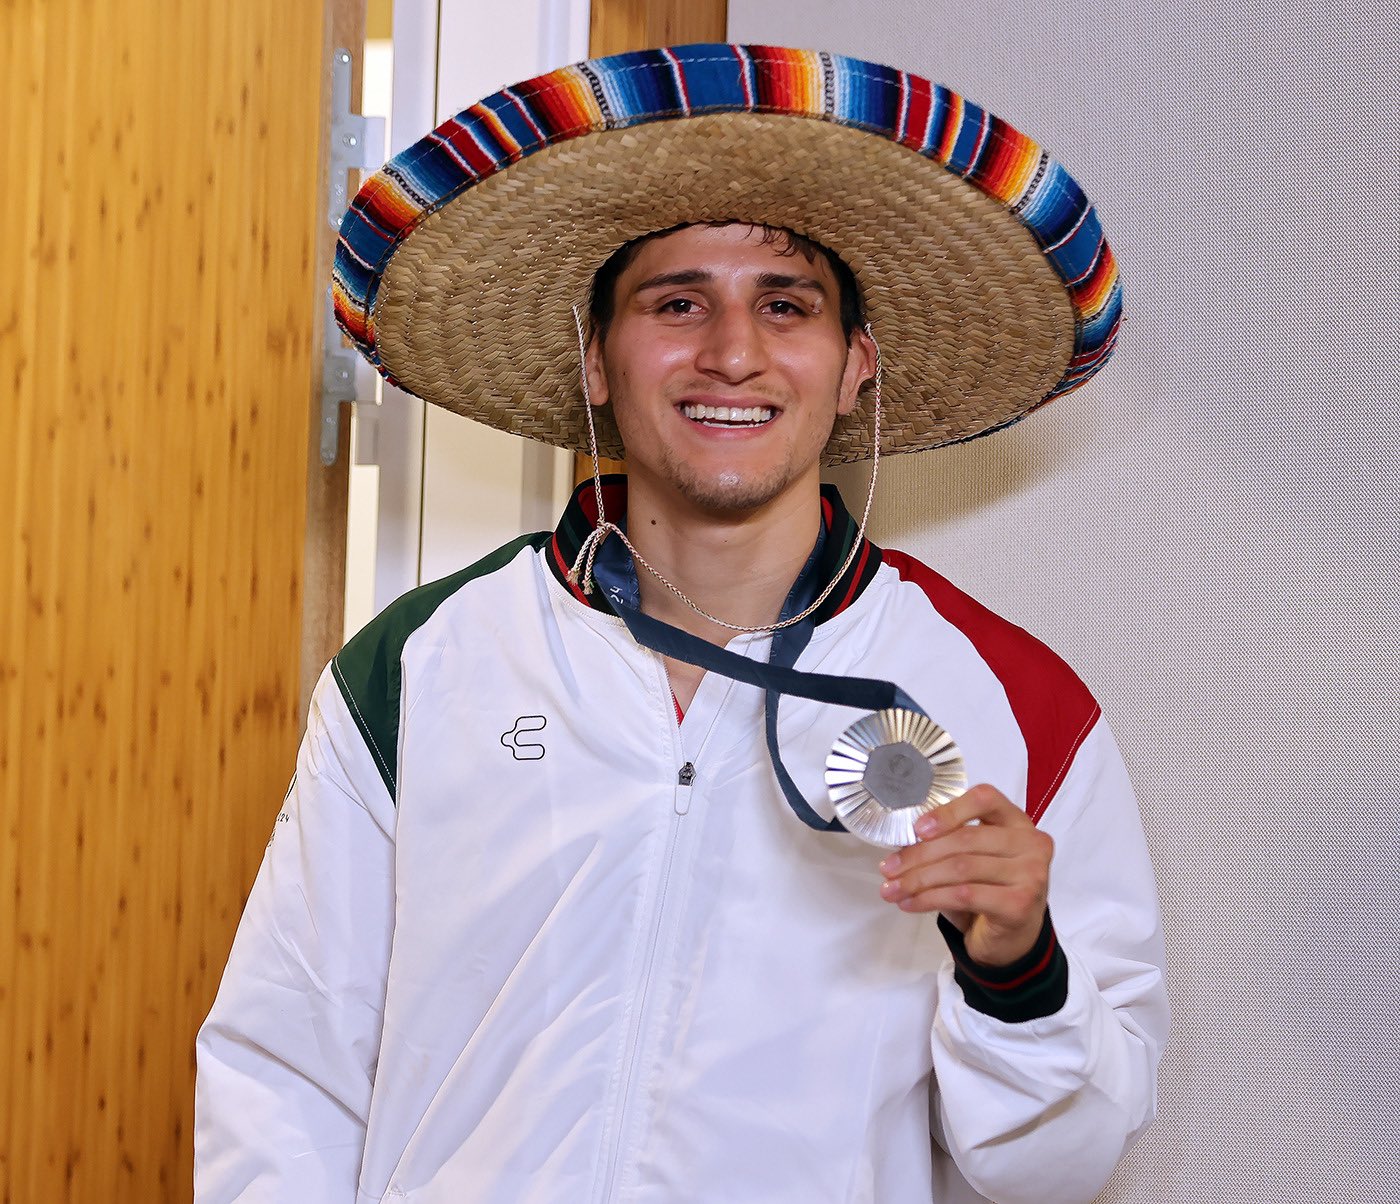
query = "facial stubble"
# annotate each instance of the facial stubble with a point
(730, 492)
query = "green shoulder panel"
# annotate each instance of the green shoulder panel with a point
(368, 669)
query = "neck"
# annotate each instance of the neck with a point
(739, 567)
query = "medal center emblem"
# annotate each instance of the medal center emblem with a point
(898, 775)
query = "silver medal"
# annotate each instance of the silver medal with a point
(886, 770)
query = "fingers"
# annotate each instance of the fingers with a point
(926, 868)
(986, 804)
(1008, 902)
(1001, 830)
(985, 876)
(997, 867)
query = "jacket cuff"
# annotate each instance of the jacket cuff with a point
(1034, 986)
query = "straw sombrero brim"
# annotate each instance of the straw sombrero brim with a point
(983, 267)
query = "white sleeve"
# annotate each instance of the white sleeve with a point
(1041, 1112)
(286, 1059)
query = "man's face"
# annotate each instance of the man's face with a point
(726, 366)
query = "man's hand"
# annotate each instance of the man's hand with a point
(990, 878)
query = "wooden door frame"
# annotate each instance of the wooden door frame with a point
(327, 487)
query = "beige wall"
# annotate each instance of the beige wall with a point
(1207, 530)
(158, 352)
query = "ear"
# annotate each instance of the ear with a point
(597, 376)
(860, 367)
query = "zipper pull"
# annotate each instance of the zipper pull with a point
(684, 780)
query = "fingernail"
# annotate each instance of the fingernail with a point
(926, 825)
(890, 865)
(891, 889)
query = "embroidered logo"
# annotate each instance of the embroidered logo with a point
(525, 750)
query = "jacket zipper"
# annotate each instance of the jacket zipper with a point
(685, 778)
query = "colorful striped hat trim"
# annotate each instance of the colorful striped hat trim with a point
(849, 133)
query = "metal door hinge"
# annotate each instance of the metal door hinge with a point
(356, 144)
(346, 377)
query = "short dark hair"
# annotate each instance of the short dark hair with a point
(604, 295)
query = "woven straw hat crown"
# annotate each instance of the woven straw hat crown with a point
(983, 266)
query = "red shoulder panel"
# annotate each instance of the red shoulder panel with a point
(1053, 707)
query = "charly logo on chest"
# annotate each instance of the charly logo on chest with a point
(522, 738)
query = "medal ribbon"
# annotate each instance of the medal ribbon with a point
(872, 694)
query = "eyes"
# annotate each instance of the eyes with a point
(777, 307)
(783, 306)
(677, 305)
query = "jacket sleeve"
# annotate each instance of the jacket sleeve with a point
(1041, 1111)
(285, 1061)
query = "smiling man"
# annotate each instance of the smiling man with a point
(725, 357)
(570, 902)
(719, 318)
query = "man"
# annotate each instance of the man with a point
(558, 910)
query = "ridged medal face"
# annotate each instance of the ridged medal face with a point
(886, 770)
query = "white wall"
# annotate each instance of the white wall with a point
(483, 487)
(1207, 531)
(449, 490)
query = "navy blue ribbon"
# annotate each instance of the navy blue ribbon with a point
(775, 679)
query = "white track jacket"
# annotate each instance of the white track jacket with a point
(520, 937)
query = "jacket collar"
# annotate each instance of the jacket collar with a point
(839, 532)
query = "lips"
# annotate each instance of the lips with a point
(728, 416)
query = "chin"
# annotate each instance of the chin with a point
(730, 492)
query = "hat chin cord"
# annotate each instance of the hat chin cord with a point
(605, 527)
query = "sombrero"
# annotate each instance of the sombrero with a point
(983, 266)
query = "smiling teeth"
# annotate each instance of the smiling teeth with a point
(728, 415)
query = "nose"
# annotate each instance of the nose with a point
(731, 345)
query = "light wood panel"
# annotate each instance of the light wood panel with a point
(619, 25)
(157, 343)
(616, 26)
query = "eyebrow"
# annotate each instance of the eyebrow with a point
(781, 280)
(669, 279)
(763, 280)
